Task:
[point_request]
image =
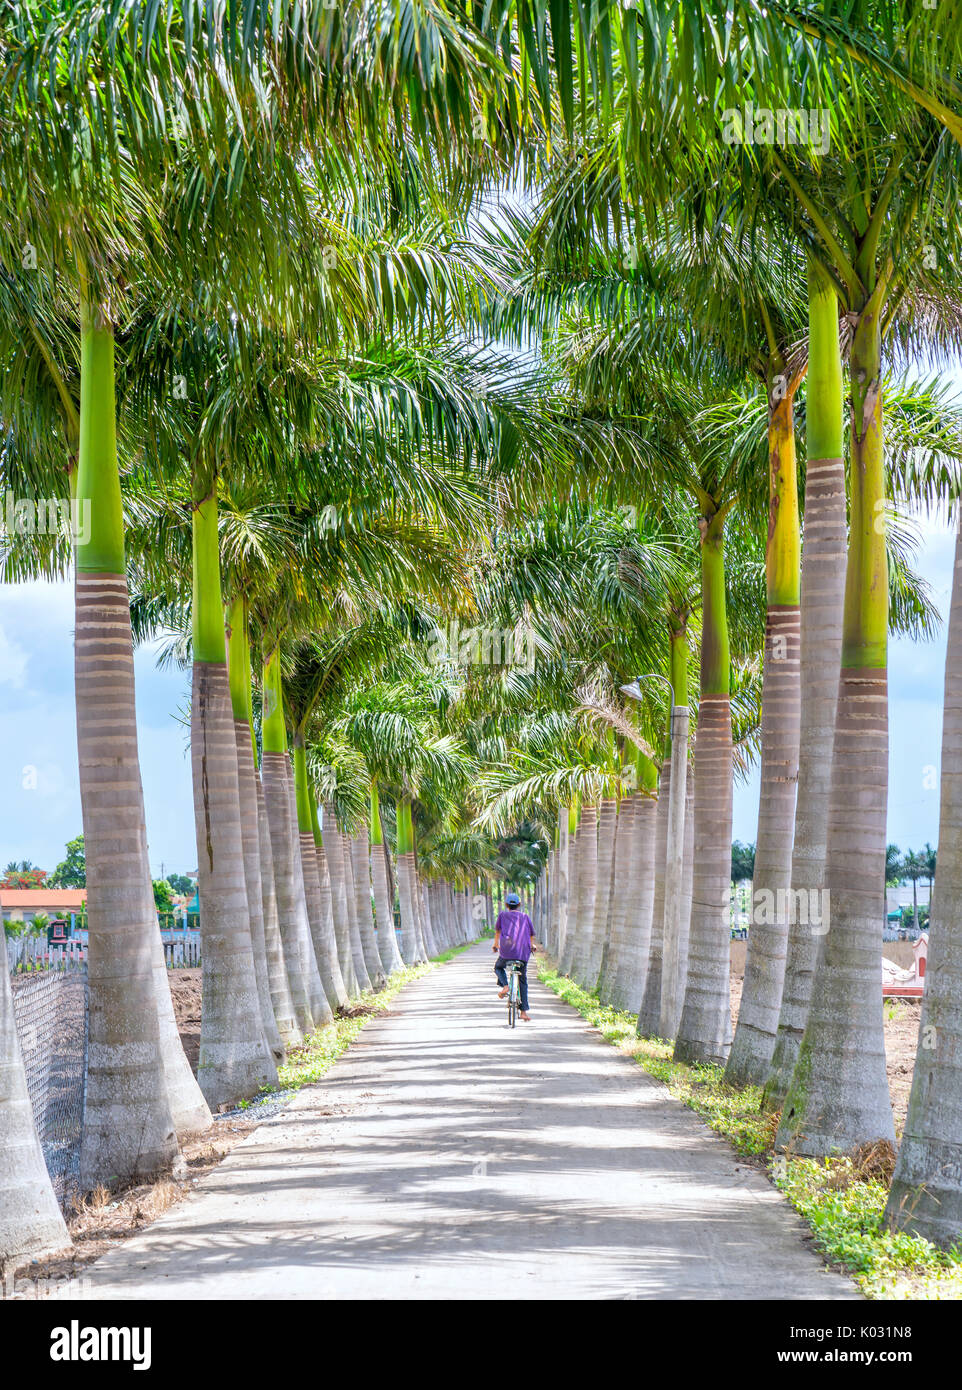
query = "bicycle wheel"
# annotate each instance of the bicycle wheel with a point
(512, 1009)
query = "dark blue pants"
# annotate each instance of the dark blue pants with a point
(502, 975)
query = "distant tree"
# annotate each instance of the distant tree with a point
(929, 855)
(23, 875)
(180, 883)
(914, 867)
(72, 872)
(743, 862)
(893, 866)
(163, 897)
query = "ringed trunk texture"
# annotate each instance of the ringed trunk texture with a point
(129, 1129)
(822, 590)
(621, 890)
(234, 1058)
(430, 940)
(189, 1109)
(705, 1027)
(357, 949)
(561, 896)
(753, 1046)
(250, 840)
(409, 934)
(629, 981)
(321, 924)
(386, 936)
(649, 1015)
(339, 989)
(689, 873)
(587, 883)
(361, 864)
(30, 1221)
(567, 944)
(926, 1193)
(607, 830)
(676, 927)
(277, 980)
(317, 997)
(278, 804)
(342, 926)
(839, 1094)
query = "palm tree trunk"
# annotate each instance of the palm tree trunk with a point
(688, 875)
(587, 885)
(387, 946)
(361, 864)
(386, 936)
(280, 989)
(567, 946)
(621, 892)
(235, 1060)
(607, 831)
(128, 1130)
(705, 1028)
(357, 950)
(274, 775)
(822, 591)
(753, 1046)
(564, 840)
(677, 925)
(239, 678)
(409, 943)
(31, 1225)
(250, 832)
(321, 925)
(649, 1015)
(316, 993)
(342, 926)
(405, 861)
(189, 1109)
(341, 995)
(926, 1193)
(629, 982)
(839, 1095)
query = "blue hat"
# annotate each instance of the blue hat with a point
(512, 900)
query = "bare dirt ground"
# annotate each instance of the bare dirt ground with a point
(185, 991)
(901, 1038)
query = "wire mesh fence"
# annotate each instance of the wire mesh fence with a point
(50, 1008)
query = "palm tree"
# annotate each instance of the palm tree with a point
(914, 867)
(288, 876)
(825, 1108)
(235, 1060)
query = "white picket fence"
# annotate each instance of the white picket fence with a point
(182, 955)
(32, 953)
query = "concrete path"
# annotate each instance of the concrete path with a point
(444, 1152)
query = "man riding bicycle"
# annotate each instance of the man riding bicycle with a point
(513, 940)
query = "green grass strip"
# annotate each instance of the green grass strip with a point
(844, 1211)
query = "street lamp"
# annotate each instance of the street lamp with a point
(674, 929)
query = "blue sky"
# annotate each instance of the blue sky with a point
(40, 803)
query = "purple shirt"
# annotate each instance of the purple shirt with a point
(516, 933)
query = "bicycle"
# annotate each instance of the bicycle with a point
(513, 972)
